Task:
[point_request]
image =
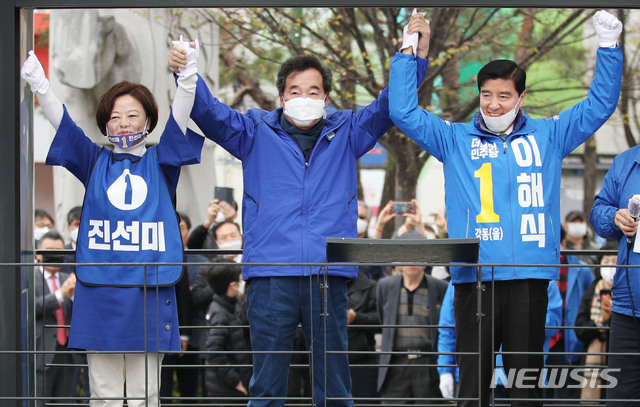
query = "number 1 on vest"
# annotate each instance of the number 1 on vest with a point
(487, 213)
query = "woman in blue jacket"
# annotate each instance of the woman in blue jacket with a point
(128, 216)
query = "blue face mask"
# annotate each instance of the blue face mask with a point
(128, 140)
(125, 142)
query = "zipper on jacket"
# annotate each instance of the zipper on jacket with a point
(504, 143)
(513, 221)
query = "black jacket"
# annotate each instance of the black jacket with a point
(362, 298)
(226, 345)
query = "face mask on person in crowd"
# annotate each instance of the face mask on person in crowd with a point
(232, 245)
(39, 232)
(500, 124)
(303, 111)
(361, 226)
(74, 235)
(607, 274)
(577, 229)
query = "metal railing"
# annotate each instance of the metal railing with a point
(305, 395)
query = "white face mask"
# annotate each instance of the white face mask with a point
(430, 235)
(501, 123)
(241, 287)
(607, 274)
(39, 232)
(74, 235)
(361, 226)
(303, 111)
(577, 229)
(232, 245)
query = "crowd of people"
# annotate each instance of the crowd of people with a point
(226, 332)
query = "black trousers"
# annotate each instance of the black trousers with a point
(56, 381)
(411, 380)
(514, 315)
(624, 369)
(188, 377)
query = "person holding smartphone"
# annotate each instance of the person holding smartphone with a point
(412, 218)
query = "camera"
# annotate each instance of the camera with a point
(605, 292)
(403, 207)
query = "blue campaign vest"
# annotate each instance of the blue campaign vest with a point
(128, 217)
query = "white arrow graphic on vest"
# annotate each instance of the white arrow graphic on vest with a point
(128, 192)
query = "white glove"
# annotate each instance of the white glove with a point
(33, 74)
(608, 28)
(446, 385)
(410, 40)
(192, 57)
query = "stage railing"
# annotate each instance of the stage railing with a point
(359, 252)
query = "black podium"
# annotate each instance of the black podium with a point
(432, 251)
(347, 250)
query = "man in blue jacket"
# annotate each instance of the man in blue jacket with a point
(299, 172)
(502, 178)
(611, 219)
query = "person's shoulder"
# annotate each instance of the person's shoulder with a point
(632, 153)
(338, 117)
(196, 258)
(255, 112)
(436, 282)
(389, 280)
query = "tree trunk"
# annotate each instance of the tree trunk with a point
(388, 192)
(590, 162)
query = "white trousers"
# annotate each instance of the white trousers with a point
(108, 374)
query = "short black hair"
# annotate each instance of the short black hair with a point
(219, 276)
(52, 234)
(183, 216)
(503, 69)
(74, 213)
(609, 245)
(301, 63)
(41, 213)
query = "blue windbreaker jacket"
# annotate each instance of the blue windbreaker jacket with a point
(291, 205)
(621, 182)
(506, 193)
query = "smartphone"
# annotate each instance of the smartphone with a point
(224, 194)
(605, 292)
(403, 207)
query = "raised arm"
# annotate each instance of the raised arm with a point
(576, 124)
(375, 119)
(427, 130)
(187, 79)
(33, 74)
